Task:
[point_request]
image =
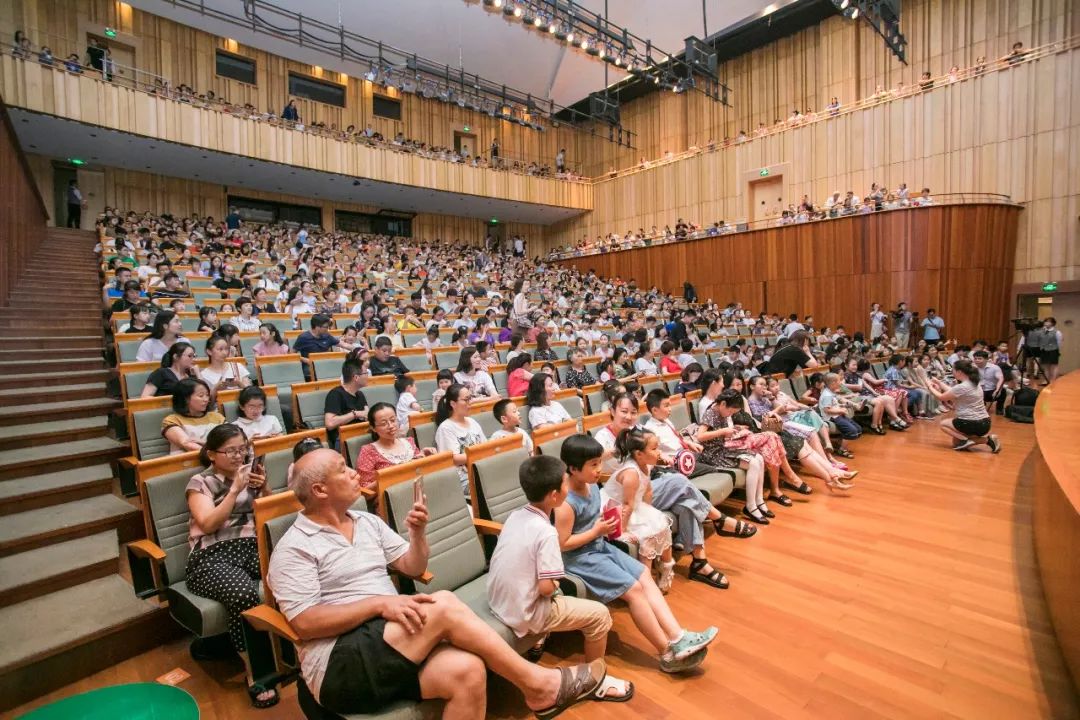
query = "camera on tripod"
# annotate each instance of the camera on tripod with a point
(1026, 324)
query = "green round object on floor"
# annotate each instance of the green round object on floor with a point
(135, 701)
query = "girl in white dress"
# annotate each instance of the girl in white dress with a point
(638, 451)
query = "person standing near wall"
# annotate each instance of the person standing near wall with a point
(74, 205)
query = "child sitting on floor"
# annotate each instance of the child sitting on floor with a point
(610, 574)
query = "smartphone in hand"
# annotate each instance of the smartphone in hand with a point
(418, 490)
(258, 465)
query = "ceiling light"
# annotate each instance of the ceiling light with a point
(584, 43)
(517, 11)
(602, 52)
(538, 21)
(844, 4)
(497, 3)
(854, 13)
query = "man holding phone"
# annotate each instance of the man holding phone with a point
(346, 404)
(362, 646)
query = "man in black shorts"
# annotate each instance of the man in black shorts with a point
(363, 646)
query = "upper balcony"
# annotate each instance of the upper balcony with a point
(166, 132)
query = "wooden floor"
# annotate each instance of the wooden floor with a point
(914, 597)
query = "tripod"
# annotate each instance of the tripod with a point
(1026, 360)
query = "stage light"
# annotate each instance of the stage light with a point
(551, 28)
(570, 37)
(538, 21)
(584, 43)
(497, 3)
(517, 11)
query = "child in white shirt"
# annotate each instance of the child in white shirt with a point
(406, 402)
(506, 414)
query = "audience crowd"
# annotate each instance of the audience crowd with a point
(612, 494)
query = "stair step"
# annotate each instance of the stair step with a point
(48, 360)
(56, 523)
(56, 393)
(56, 639)
(22, 462)
(51, 431)
(66, 342)
(37, 572)
(53, 378)
(42, 412)
(37, 491)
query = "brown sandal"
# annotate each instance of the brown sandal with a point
(577, 684)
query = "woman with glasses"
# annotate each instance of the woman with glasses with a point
(387, 448)
(224, 560)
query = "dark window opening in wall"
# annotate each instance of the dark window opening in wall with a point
(311, 88)
(269, 212)
(347, 221)
(386, 107)
(234, 67)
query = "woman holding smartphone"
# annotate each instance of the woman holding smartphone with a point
(224, 560)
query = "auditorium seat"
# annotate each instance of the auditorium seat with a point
(549, 439)
(354, 437)
(493, 477)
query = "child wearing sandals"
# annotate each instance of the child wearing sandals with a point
(610, 574)
(523, 582)
(629, 488)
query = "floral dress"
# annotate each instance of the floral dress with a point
(728, 452)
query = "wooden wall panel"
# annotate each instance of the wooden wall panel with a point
(22, 209)
(186, 55)
(955, 258)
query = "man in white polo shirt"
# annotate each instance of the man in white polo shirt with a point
(362, 645)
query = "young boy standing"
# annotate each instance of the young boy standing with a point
(406, 402)
(523, 581)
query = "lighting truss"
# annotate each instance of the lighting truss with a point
(883, 16)
(581, 29)
(391, 67)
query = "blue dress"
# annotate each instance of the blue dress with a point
(606, 571)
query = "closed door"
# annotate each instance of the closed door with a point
(766, 198)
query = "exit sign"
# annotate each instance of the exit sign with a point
(763, 172)
(1049, 287)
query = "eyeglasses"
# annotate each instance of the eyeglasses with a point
(387, 423)
(234, 452)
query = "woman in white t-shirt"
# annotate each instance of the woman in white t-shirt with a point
(471, 374)
(540, 400)
(456, 430)
(166, 331)
(219, 373)
(253, 419)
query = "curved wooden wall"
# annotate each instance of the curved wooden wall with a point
(23, 213)
(1056, 511)
(956, 258)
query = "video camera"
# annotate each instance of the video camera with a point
(1026, 324)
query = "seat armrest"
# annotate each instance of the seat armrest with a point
(146, 549)
(487, 527)
(426, 578)
(145, 560)
(129, 462)
(368, 493)
(266, 619)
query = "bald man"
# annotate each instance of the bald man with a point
(363, 646)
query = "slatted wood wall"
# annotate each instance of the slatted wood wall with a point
(22, 210)
(957, 259)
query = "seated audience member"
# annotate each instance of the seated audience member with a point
(341, 602)
(246, 321)
(318, 340)
(166, 331)
(191, 421)
(788, 410)
(970, 425)
(443, 380)
(140, 319)
(382, 362)
(542, 406)
(171, 287)
(688, 378)
(252, 418)
(832, 407)
(577, 375)
(470, 373)
(270, 342)
(543, 350)
(177, 364)
(224, 560)
(208, 319)
(133, 295)
(523, 580)
(669, 363)
(895, 380)
(387, 448)
(455, 430)
(220, 374)
(345, 404)
(518, 374)
(855, 382)
(507, 415)
(610, 574)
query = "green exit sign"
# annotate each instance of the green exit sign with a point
(763, 172)
(109, 32)
(1049, 287)
(466, 128)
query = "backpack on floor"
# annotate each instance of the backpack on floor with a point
(1021, 414)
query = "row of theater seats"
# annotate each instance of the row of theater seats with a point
(459, 549)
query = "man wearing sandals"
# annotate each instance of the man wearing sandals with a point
(363, 646)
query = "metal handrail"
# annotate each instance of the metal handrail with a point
(700, 233)
(879, 98)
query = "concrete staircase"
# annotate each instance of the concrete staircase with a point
(65, 609)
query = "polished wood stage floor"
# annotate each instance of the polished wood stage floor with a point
(916, 596)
